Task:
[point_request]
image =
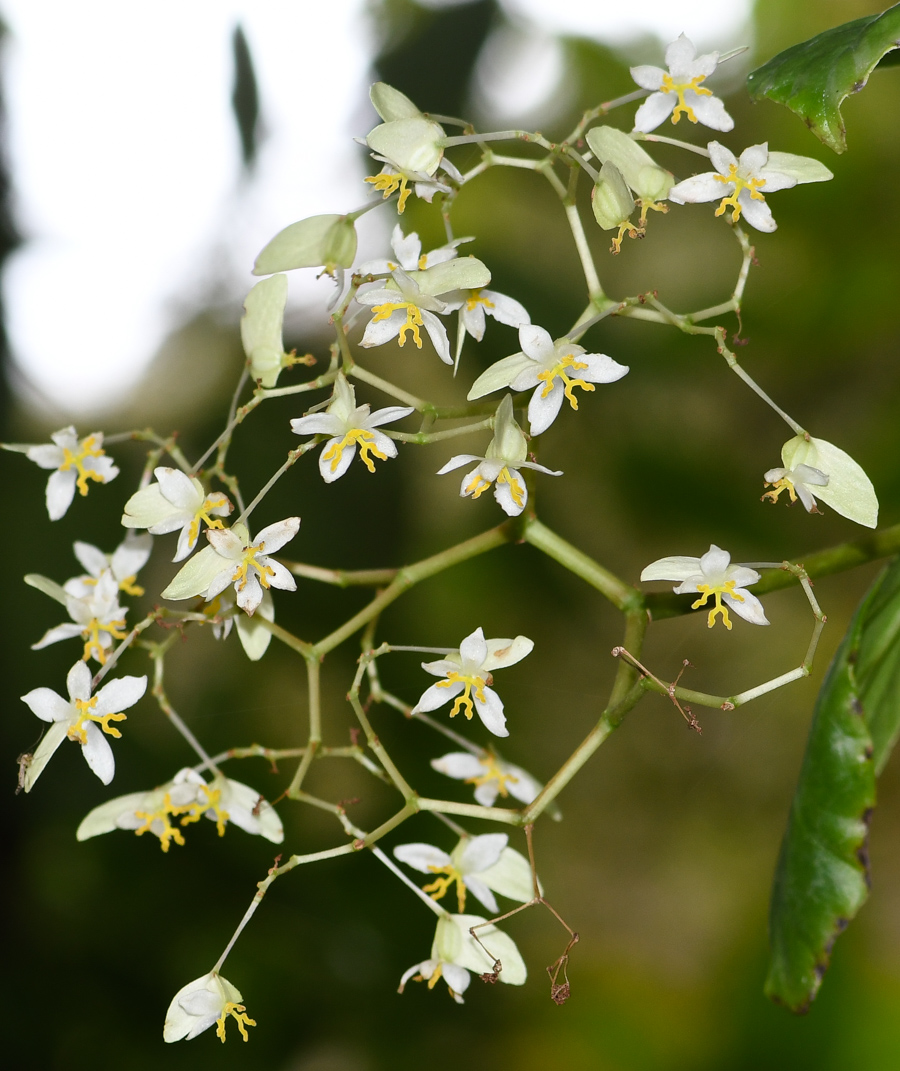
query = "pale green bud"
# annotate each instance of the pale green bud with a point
(413, 144)
(610, 199)
(645, 177)
(317, 242)
(509, 443)
(849, 490)
(391, 104)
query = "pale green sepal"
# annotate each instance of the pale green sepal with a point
(412, 144)
(461, 273)
(676, 567)
(103, 819)
(255, 638)
(147, 507)
(802, 168)
(510, 876)
(610, 199)
(195, 576)
(849, 490)
(47, 586)
(508, 443)
(391, 104)
(261, 327)
(318, 241)
(499, 375)
(642, 173)
(44, 752)
(454, 944)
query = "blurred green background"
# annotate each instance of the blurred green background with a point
(664, 858)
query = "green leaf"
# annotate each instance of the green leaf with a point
(814, 78)
(822, 876)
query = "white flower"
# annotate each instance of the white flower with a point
(187, 798)
(492, 777)
(254, 636)
(741, 181)
(76, 462)
(234, 558)
(678, 90)
(199, 1004)
(408, 254)
(125, 562)
(421, 294)
(176, 502)
(455, 952)
(712, 575)
(468, 676)
(838, 480)
(350, 426)
(79, 718)
(554, 368)
(96, 616)
(500, 466)
(478, 864)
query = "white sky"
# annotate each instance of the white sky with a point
(125, 157)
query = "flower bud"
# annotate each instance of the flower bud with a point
(320, 241)
(610, 199)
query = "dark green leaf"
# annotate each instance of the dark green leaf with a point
(822, 876)
(878, 665)
(814, 77)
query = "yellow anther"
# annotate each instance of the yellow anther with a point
(386, 184)
(169, 832)
(202, 514)
(240, 577)
(440, 885)
(624, 228)
(493, 773)
(515, 487)
(477, 486)
(91, 633)
(740, 183)
(129, 585)
(569, 384)
(723, 589)
(362, 438)
(237, 1012)
(433, 980)
(647, 206)
(784, 484)
(85, 706)
(193, 812)
(668, 86)
(413, 319)
(464, 702)
(475, 299)
(422, 263)
(86, 449)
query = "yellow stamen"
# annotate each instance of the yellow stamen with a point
(464, 702)
(193, 812)
(493, 773)
(85, 706)
(740, 183)
(440, 885)
(625, 228)
(681, 108)
(203, 514)
(475, 299)
(433, 980)
(169, 832)
(240, 577)
(237, 1012)
(366, 442)
(130, 586)
(387, 183)
(516, 489)
(647, 206)
(723, 589)
(784, 484)
(86, 449)
(477, 486)
(413, 319)
(91, 633)
(569, 384)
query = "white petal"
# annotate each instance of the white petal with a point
(179, 489)
(280, 576)
(250, 595)
(481, 892)
(537, 344)
(655, 110)
(438, 335)
(676, 567)
(756, 213)
(78, 681)
(473, 649)
(648, 77)
(491, 712)
(510, 876)
(700, 188)
(722, 158)
(47, 705)
(60, 492)
(750, 609)
(710, 111)
(504, 652)
(119, 694)
(680, 55)
(254, 637)
(480, 853)
(380, 331)
(457, 462)
(504, 496)
(459, 765)
(98, 753)
(715, 561)
(436, 696)
(487, 793)
(600, 368)
(544, 406)
(317, 424)
(274, 536)
(422, 857)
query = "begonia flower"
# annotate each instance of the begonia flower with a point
(468, 675)
(678, 91)
(81, 718)
(350, 427)
(96, 616)
(125, 562)
(491, 776)
(712, 575)
(199, 1004)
